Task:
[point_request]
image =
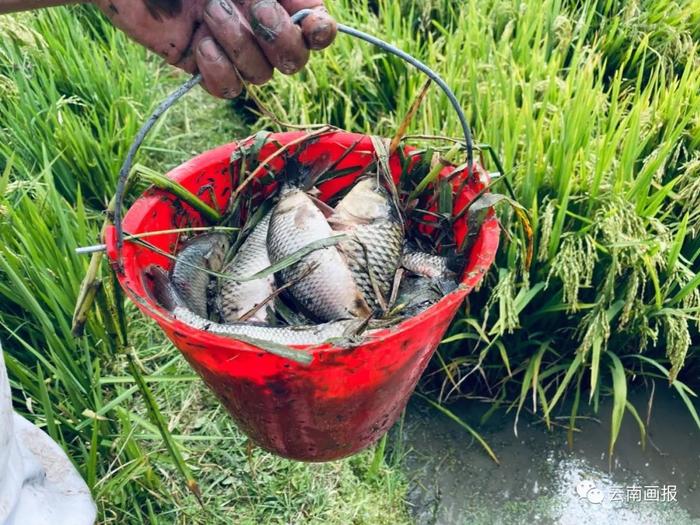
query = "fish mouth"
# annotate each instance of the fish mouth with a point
(160, 290)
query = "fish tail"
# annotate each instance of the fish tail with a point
(304, 176)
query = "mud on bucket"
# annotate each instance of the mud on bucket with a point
(348, 396)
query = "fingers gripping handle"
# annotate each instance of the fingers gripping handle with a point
(196, 79)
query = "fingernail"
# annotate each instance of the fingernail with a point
(226, 6)
(267, 18)
(287, 66)
(231, 92)
(208, 49)
(219, 8)
(321, 34)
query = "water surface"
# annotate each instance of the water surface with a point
(541, 481)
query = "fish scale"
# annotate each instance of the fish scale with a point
(427, 265)
(189, 275)
(368, 216)
(376, 249)
(167, 296)
(238, 297)
(286, 335)
(322, 281)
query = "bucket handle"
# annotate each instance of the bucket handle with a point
(196, 79)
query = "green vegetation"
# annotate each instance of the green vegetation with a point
(66, 123)
(594, 109)
(595, 119)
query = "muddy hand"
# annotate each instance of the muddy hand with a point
(225, 40)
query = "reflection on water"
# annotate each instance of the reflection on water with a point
(541, 481)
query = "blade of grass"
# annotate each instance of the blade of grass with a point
(406, 122)
(461, 423)
(619, 383)
(164, 183)
(680, 387)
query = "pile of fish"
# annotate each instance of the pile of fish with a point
(340, 271)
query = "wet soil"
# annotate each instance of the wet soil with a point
(540, 481)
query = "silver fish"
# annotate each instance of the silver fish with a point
(417, 293)
(374, 249)
(238, 297)
(322, 281)
(165, 294)
(432, 266)
(286, 335)
(191, 282)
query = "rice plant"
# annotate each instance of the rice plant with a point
(596, 124)
(58, 88)
(54, 185)
(593, 108)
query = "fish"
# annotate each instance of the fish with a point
(416, 293)
(165, 294)
(287, 335)
(286, 314)
(189, 276)
(321, 282)
(431, 266)
(376, 236)
(238, 297)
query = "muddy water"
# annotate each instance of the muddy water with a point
(541, 481)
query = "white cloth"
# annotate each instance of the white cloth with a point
(38, 483)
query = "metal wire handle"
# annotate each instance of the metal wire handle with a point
(196, 79)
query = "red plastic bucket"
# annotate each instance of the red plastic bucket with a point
(347, 398)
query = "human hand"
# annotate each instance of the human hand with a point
(223, 39)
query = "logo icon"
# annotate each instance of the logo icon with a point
(586, 489)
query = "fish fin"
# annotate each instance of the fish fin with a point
(304, 175)
(214, 306)
(316, 170)
(327, 210)
(208, 256)
(361, 308)
(337, 220)
(456, 263)
(446, 286)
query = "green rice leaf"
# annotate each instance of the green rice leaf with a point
(573, 368)
(677, 245)
(619, 401)
(640, 423)
(461, 423)
(681, 388)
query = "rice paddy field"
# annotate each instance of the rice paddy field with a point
(592, 110)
